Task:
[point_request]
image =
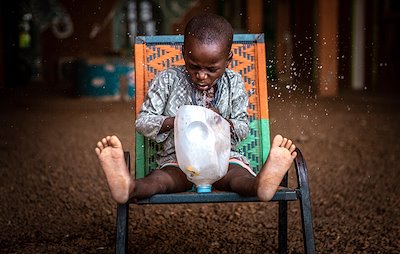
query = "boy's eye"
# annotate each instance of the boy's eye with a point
(194, 67)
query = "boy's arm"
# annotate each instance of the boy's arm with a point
(239, 126)
(167, 125)
(151, 122)
(238, 118)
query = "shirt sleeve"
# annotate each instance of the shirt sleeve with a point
(239, 118)
(151, 118)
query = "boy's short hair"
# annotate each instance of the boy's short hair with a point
(210, 28)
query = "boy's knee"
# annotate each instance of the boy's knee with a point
(171, 180)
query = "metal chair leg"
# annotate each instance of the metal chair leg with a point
(282, 220)
(282, 237)
(306, 219)
(121, 245)
(305, 204)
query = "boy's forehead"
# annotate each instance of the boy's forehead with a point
(196, 43)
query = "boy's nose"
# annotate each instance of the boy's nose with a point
(201, 75)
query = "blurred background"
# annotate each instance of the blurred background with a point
(317, 46)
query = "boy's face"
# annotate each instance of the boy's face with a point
(205, 63)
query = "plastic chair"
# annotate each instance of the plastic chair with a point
(155, 53)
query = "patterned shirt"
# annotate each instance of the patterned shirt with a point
(172, 88)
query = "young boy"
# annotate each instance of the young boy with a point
(206, 81)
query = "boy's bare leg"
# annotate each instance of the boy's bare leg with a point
(169, 179)
(266, 183)
(123, 186)
(238, 180)
(111, 156)
(280, 158)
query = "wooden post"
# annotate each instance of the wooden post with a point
(358, 46)
(327, 48)
(283, 39)
(255, 16)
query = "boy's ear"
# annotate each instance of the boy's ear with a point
(229, 59)
(182, 50)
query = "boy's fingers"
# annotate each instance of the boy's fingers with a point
(215, 110)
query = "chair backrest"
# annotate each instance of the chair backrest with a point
(155, 53)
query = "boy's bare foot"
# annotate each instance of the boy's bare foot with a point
(111, 156)
(279, 160)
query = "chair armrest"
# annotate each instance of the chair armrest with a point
(127, 156)
(301, 171)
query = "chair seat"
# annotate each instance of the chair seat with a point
(286, 194)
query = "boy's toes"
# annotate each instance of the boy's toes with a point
(293, 155)
(109, 139)
(114, 141)
(105, 142)
(292, 148)
(284, 142)
(98, 151)
(288, 144)
(277, 141)
(100, 145)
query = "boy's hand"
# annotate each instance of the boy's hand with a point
(168, 124)
(229, 121)
(215, 110)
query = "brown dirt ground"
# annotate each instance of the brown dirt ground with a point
(54, 198)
